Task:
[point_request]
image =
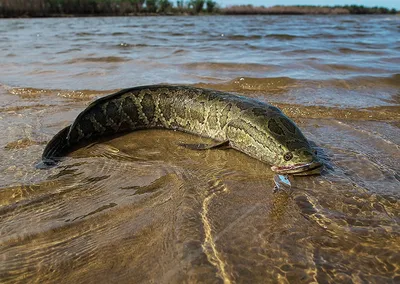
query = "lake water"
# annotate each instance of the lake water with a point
(141, 209)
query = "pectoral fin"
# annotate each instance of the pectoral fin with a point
(201, 146)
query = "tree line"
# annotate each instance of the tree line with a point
(45, 8)
(305, 10)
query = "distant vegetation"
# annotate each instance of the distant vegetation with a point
(45, 8)
(305, 10)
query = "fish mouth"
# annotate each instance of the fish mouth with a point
(312, 168)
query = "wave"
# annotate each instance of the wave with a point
(375, 81)
(309, 51)
(126, 45)
(85, 34)
(107, 59)
(347, 50)
(69, 50)
(120, 33)
(180, 51)
(345, 67)
(252, 86)
(283, 36)
(248, 85)
(230, 66)
(242, 37)
(36, 93)
(383, 113)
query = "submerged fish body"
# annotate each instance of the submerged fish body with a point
(255, 128)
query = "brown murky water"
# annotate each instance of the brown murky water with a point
(139, 208)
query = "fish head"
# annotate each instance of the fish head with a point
(301, 161)
(293, 153)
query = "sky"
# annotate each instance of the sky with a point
(267, 3)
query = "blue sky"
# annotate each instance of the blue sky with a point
(369, 3)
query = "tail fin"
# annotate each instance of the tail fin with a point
(56, 148)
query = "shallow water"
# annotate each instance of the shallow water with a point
(140, 208)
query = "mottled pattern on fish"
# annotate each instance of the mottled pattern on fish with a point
(258, 129)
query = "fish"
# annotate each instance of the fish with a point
(251, 126)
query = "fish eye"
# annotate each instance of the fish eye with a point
(288, 156)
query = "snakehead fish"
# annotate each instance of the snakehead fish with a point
(253, 127)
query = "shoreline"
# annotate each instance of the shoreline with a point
(173, 15)
(170, 10)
